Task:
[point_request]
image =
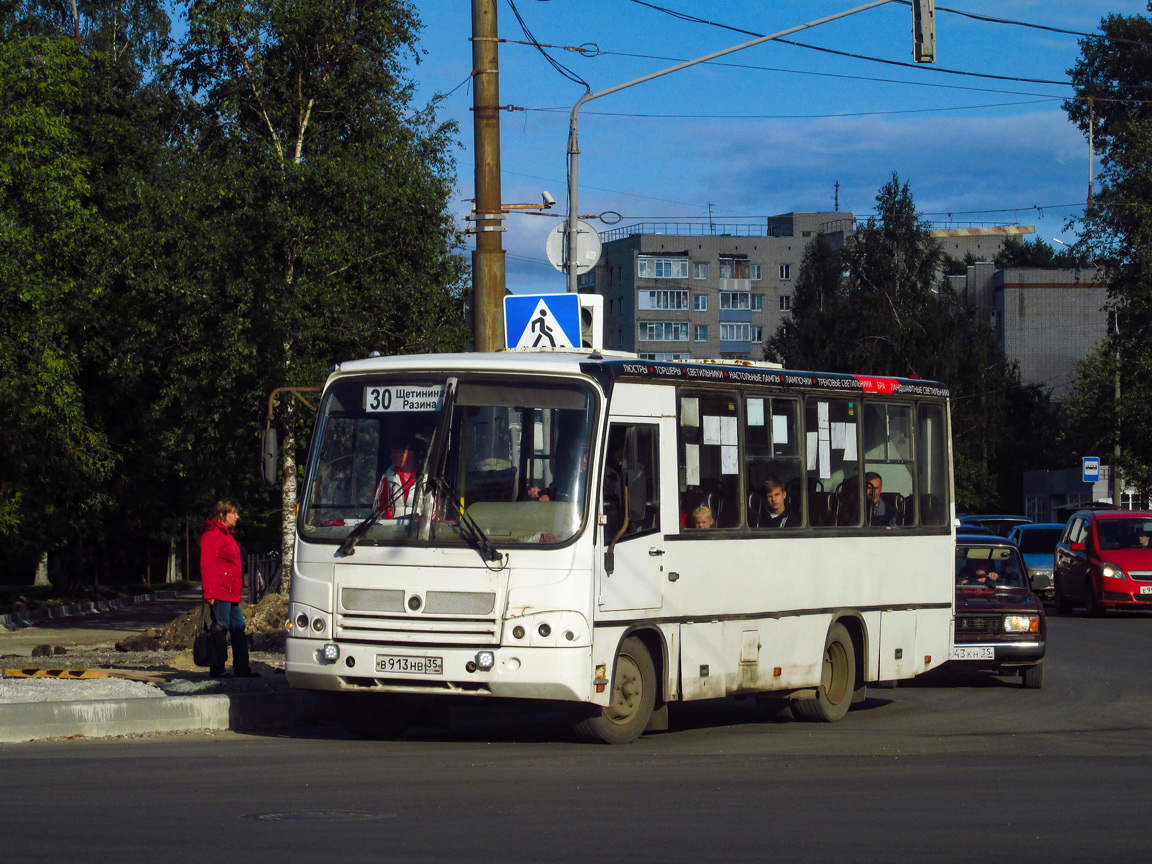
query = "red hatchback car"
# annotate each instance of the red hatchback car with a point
(1104, 561)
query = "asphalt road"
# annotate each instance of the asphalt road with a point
(960, 768)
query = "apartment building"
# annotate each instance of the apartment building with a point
(698, 290)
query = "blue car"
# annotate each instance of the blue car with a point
(1038, 542)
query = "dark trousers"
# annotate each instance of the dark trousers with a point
(231, 618)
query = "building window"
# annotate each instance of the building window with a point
(662, 268)
(757, 334)
(785, 302)
(735, 332)
(663, 299)
(733, 268)
(663, 331)
(700, 302)
(735, 300)
(725, 271)
(660, 357)
(785, 271)
(700, 270)
(755, 272)
(701, 333)
(757, 302)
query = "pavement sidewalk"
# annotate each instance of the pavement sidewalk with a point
(33, 709)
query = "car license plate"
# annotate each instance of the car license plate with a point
(393, 664)
(972, 652)
(1146, 589)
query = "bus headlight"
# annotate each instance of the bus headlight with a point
(1021, 624)
(485, 660)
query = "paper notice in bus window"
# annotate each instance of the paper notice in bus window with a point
(755, 412)
(822, 415)
(689, 412)
(728, 433)
(711, 430)
(849, 442)
(692, 464)
(729, 458)
(825, 461)
(811, 440)
(779, 428)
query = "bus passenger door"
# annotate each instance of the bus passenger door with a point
(631, 538)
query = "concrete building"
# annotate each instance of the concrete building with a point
(1046, 320)
(695, 290)
(981, 243)
(1047, 491)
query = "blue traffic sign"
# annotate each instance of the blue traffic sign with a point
(542, 321)
(1091, 469)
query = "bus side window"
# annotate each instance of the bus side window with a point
(708, 445)
(932, 494)
(633, 466)
(833, 461)
(772, 462)
(888, 465)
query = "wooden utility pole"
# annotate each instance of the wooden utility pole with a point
(488, 259)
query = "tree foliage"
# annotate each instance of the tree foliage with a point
(1112, 79)
(188, 229)
(874, 307)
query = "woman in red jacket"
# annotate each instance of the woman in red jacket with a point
(222, 582)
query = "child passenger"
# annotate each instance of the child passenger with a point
(702, 517)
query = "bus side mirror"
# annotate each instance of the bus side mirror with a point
(269, 456)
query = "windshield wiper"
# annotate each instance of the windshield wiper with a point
(469, 528)
(360, 530)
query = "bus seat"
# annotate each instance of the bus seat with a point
(757, 505)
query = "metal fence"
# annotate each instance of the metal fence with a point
(261, 575)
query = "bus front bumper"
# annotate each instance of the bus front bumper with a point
(518, 673)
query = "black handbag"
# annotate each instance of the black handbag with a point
(210, 648)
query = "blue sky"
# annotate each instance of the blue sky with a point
(775, 131)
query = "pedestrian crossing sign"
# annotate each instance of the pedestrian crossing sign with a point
(542, 321)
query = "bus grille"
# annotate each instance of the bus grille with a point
(382, 616)
(979, 624)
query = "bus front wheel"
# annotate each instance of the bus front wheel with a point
(633, 700)
(837, 681)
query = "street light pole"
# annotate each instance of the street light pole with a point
(573, 142)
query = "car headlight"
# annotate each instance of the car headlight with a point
(1021, 623)
(1111, 571)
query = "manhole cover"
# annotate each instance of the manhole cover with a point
(320, 816)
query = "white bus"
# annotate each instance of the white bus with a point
(545, 544)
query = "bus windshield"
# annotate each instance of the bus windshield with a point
(511, 460)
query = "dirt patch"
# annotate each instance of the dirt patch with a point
(265, 629)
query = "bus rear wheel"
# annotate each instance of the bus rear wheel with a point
(837, 681)
(633, 699)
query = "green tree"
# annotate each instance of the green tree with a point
(1112, 80)
(328, 221)
(875, 308)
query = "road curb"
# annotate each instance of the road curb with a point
(16, 620)
(104, 718)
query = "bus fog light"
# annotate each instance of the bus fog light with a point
(332, 652)
(485, 660)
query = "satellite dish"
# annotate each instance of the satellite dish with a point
(587, 246)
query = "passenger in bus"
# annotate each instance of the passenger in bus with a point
(395, 495)
(879, 512)
(702, 517)
(568, 475)
(779, 513)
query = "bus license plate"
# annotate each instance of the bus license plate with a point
(393, 664)
(972, 652)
